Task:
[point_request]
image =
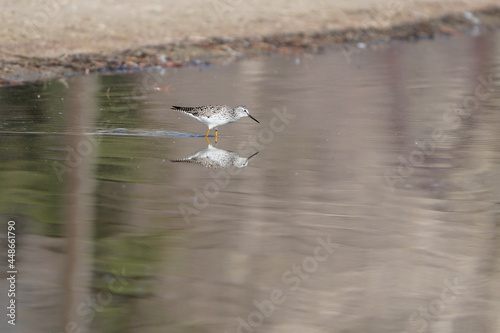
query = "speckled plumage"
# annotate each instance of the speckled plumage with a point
(215, 158)
(215, 115)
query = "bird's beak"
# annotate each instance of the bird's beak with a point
(253, 118)
(249, 157)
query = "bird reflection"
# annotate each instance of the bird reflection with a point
(215, 158)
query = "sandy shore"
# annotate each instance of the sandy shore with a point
(43, 39)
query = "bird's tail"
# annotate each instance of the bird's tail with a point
(182, 108)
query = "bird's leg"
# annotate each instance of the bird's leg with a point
(216, 136)
(206, 136)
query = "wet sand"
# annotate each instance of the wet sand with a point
(59, 37)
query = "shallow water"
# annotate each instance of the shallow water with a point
(370, 206)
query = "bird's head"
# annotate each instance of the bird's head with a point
(242, 111)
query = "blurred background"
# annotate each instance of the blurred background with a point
(58, 27)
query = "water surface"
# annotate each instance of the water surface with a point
(370, 206)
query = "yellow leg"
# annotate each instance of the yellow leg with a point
(215, 136)
(207, 133)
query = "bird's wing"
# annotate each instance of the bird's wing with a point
(205, 161)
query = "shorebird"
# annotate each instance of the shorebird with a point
(214, 115)
(215, 158)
